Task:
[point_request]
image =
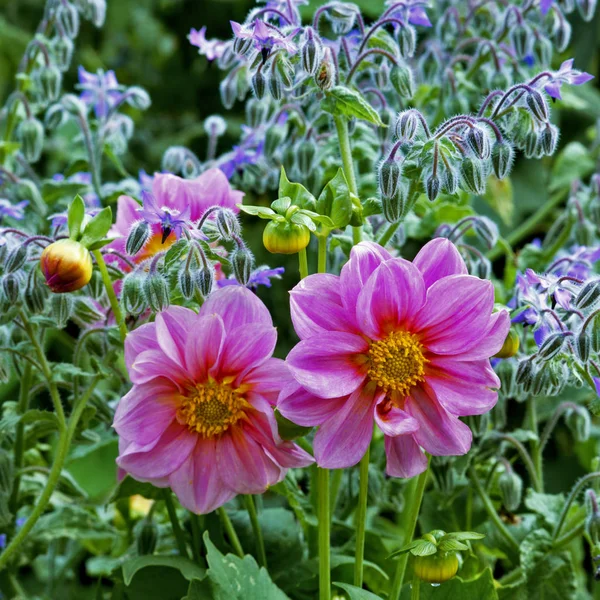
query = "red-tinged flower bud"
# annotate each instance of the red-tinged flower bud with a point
(285, 238)
(510, 346)
(326, 73)
(436, 568)
(66, 265)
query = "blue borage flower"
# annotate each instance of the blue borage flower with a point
(14, 211)
(260, 276)
(100, 90)
(212, 49)
(169, 219)
(265, 36)
(566, 74)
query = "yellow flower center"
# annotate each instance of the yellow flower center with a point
(211, 408)
(155, 245)
(396, 363)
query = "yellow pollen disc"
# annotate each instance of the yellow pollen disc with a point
(211, 408)
(397, 362)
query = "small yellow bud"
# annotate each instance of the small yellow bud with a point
(66, 265)
(510, 346)
(285, 238)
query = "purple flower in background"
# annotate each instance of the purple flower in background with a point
(288, 7)
(169, 219)
(265, 36)
(212, 49)
(545, 6)
(261, 276)
(566, 74)
(14, 211)
(2, 541)
(248, 152)
(411, 10)
(100, 90)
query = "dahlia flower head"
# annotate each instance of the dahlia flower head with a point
(199, 417)
(173, 198)
(403, 345)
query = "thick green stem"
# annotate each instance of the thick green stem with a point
(416, 589)
(257, 530)
(196, 536)
(234, 540)
(322, 254)
(324, 534)
(303, 263)
(572, 495)
(388, 234)
(491, 511)
(414, 500)
(361, 519)
(20, 436)
(336, 482)
(110, 290)
(177, 531)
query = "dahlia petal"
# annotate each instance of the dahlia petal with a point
(456, 314)
(204, 346)
(364, 259)
(404, 457)
(344, 438)
(463, 387)
(393, 292)
(328, 365)
(440, 432)
(145, 412)
(439, 258)
(268, 379)
(244, 465)
(237, 306)
(493, 338)
(163, 457)
(392, 420)
(316, 306)
(153, 363)
(137, 341)
(305, 409)
(197, 483)
(172, 328)
(246, 347)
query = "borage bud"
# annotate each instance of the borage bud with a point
(326, 74)
(542, 50)
(395, 207)
(449, 181)
(525, 372)
(382, 76)
(562, 35)
(186, 282)
(275, 86)
(242, 262)
(407, 40)
(259, 84)
(502, 158)
(548, 139)
(228, 92)
(61, 308)
(520, 36)
(11, 286)
(479, 142)
(275, 136)
(511, 490)
(310, 51)
(537, 105)
(586, 9)
(432, 186)
(205, 279)
(55, 116)
(62, 47)
(257, 112)
(35, 296)
(137, 238)
(284, 71)
(68, 17)
(49, 80)
(147, 538)
(16, 258)
(85, 311)
(132, 296)
(390, 172)
(66, 265)
(138, 98)
(342, 18)
(156, 291)
(588, 295)
(403, 81)
(510, 346)
(579, 423)
(551, 346)
(583, 346)
(406, 125)
(542, 381)
(592, 520)
(190, 168)
(73, 105)
(473, 175)
(305, 156)
(95, 11)
(227, 224)
(31, 135)
(173, 159)
(285, 237)
(486, 230)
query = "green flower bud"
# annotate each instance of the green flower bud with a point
(228, 92)
(310, 51)
(61, 308)
(49, 80)
(285, 237)
(275, 86)
(257, 112)
(406, 125)
(579, 423)
(227, 224)
(402, 81)
(173, 159)
(68, 17)
(11, 288)
(551, 346)
(132, 295)
(525, 373)
(274, 138)
(139, 234)
(521, 38)
(138, 98)
(186, 282)
(562, 35)
(537, 105)
(473, 175)
(390, 172)
(449, 181)
(432, 186)
(55, 117)
(588, 295)
(156, 292)
(407, 40)
(242, 262)
(583, 346)
(259, 84)
(542, 50)
(16, 258)
(205, 280)
(305, 156)
(396, 207)
(436, 568)
(586, 9)
(479, 141)
(502, 158)
(62, 47)
(511, 490)
(35, 296)
(147, 538)
(548, 139)
(31, 135)
(592, 521)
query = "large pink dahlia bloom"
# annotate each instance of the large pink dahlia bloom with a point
(199, 417)
(406, 345)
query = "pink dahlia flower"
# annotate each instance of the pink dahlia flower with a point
(405, 345)
(199, 417)
(177, 196)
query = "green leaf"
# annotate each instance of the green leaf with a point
(198, 590)
(299, 195)
(234, 578)
(464, 535)
(335, 202)
(190, 570)
(99, 244)
(549, 507)
(281, 205)
(356, 593)
(130, 487)
(423, 548)
(75, 217)
(288, 430)
(297, 500)
(341, 100)
(573, 162)
(301, 219)
(499, 195)
(258, 211)
(35, 415)
(117, 162)
(97, 227)
(450, 545)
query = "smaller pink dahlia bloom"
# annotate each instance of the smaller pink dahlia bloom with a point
(199, 417)
(181, 196)
(405, 345)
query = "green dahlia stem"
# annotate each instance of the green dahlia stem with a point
(416, 588)
(234, 540)
(177, 531)
(110, 290)
(414, 500)
(303, 263)
(324, 534)
(336, 482)
(322, 254)
(361, 519)
(257, 530)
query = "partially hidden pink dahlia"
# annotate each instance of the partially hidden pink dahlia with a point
(405, 345)
(199, 417)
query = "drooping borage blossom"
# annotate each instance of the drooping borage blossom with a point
(212, 49)
(404, 345)
(265, 36)
(172, 200)
(566, 74)
(14, 211)
(199, 417)
(100, 90)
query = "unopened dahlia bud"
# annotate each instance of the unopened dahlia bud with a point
(205, 280)
(436, 568)
(49, 80)
(472, 173)
(138, 98)
(511, 490)
(310, 51)
(548, 139)
(61, 308)
(402, 79)
(16, 258)
(537, 105)
(11, 286)
(186, 282)
(588, 295)
(31, 135)
(137, 238)
(62, 48)
(579, 423)
(510, 346)
(390, 172)
(227, 224)
(326, 74)
(147, 538)
(68, 17)
(407, 40)
(502, 158)
(132, 295)
(156, 291)
(478, 140)
(66, 265)
(285, 237)
(406, 125)
(242, 262)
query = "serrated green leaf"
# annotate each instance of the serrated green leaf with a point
(75, 217)
(97, 227)
(341, 100)
(175, 252)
